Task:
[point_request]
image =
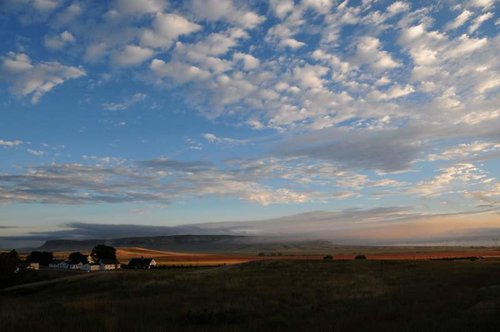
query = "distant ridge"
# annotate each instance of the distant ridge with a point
(189, 243)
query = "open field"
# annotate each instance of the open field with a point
(299, 295)
(340, 253)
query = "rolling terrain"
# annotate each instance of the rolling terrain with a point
(277, 295)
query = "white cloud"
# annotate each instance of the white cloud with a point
(321, 6)
(95, 51)
(485, 4)
(452, 179)
(292, 43)
(466, 45)
(46, 5)
(310, 77)
(35, 80)
(128, 102)
(211, 138)
(69, 14)
(476, 23)
(282, 7)
(398, 7)
(134, 7)
(166, 29)
(396, 91)
(178, 71)
(249, 62)
(467, 151)
(133, 55)
(369, 51)
(459, 20)
(10, 144)
(59, 41)
(215, 10)
(37, 153)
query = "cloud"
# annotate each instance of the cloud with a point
(132, 7)
(476, 150)
(56, 42)
(178, 71)
(380, 225)
(35, 80)
(226, 10)
(211, 138)
(10, 144)
(459, 20)
(46, 5)
(387, 150)
(461, 177)
(369, 51)
(166, 29)
(478, 21)
(128, 102)
(282, 7)
(396, 91)
(37, 153)
(249, 62)
(164, 180)
(133, 55)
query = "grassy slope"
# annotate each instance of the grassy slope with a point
(268, 295)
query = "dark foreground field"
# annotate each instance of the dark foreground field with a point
(267, 295)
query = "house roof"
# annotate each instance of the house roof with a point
(140, 262)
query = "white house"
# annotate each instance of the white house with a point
(54, 264)
(33, 266)
(73, 266)
(89, 267)
(109, 264)
(63, 265)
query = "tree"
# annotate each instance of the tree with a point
(360, 257)
(77, 257)
(9, 268)
(9, 262)
(328, 257)
(102, 251)
(41, 257)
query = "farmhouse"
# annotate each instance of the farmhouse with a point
(142, 263)
(89, 267)
(109, 264)
(55, 264)
(73, 266)
(33, 266)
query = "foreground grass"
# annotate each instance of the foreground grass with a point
(267, 295)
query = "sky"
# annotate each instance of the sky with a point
(379, 118)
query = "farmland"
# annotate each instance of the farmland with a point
(163, 257)
(284, 294)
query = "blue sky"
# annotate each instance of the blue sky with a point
(168, 113)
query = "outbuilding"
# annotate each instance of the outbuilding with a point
(142, 263)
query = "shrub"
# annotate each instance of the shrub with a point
(360, 257)
(328, 257)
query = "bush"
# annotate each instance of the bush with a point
(360, 257)
(328, 257)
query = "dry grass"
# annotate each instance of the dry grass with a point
(273, 295)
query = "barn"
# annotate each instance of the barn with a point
(142, 263)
